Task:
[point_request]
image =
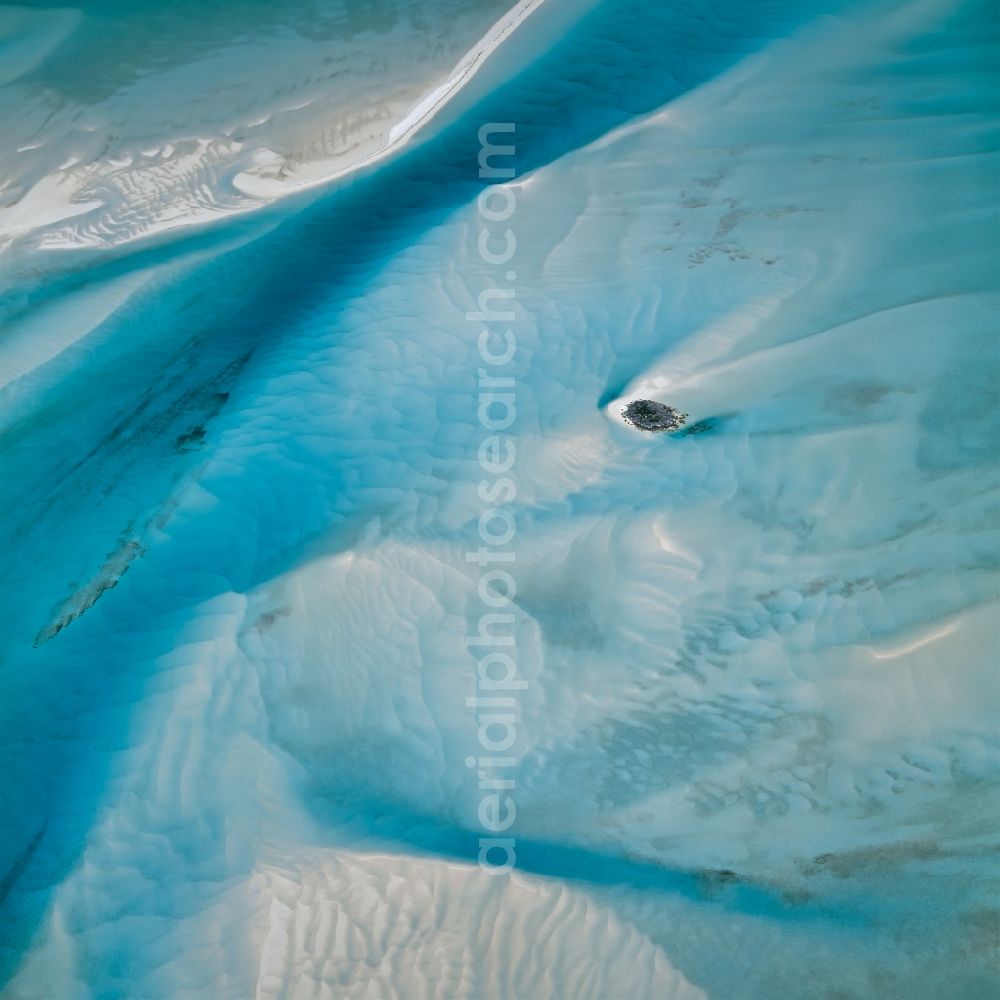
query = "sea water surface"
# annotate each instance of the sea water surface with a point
(241, 480)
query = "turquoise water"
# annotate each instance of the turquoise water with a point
(240, 474)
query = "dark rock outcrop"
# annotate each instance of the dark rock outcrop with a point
(648, 415)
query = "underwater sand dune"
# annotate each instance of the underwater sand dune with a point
(757, 737)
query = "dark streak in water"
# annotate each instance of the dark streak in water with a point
(20, 864)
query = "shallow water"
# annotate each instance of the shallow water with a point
(757, 735)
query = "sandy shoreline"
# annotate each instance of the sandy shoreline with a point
(62, 195)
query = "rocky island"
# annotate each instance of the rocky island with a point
(649, 415)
